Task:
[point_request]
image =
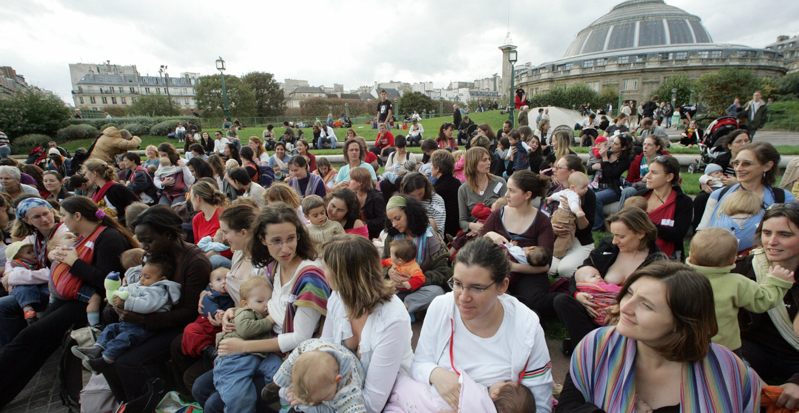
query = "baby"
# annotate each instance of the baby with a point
(595, 157)
(320, 228)
(578, 186)
(20, 255)
(601, 293)
(65, 286)
(199, 336)
(512, 397)
(403, 260)
(152, 293)
(636, 202)
(712, 176)
(132, 262)
(233, 373)
(741, 206)
(534, 256)
(324, 377)
(168, 171)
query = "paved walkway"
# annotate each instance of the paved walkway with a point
(41, 394)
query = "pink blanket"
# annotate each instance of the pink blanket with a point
(603, 294)
(410, 396)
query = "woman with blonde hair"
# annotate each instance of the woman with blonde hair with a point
(261, 155)
(481, 187)
(282, 192)
(152, 156)
(561, 146)
(111, 196)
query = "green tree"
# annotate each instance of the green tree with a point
(719, 89)
(679, 82)
(32, 111)
(154, 105)
(241, 97)
(580, 93)
(607, 95)
(415, 101)
(788, 86)
(269, 98)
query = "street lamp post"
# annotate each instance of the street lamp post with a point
(396, 110)
(621, 100)
(513, 56)
(441, 106)
(220, 66)
(674, 96)
(165, 77)
(347, 110)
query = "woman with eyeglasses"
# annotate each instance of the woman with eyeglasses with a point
(756, 168)
(406, 218)
(445, 139)
(616, 159)
(281, 245)
(768, 339)
(479, 330)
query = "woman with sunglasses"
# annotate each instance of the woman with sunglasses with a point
(478, 318)
(756, 169)
(768, 341)
(667, 205)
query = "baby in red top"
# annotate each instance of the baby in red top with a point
(403, 260)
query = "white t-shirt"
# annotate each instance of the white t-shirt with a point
(494, 363)
(264, 158)
(572, 199)
(587, 124)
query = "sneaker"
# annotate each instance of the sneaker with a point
(30, 316)
(96, 366)
(88, 352)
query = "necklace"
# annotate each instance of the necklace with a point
(482, 191)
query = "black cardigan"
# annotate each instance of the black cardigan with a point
(120, 196)
(612, 172)
(110, 244)
(374, 212)
(605, 254)
(683, 217)
(447, 187)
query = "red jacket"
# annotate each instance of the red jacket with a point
(385, 140)
(634, 173)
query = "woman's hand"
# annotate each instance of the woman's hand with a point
(475, 226)
(168, 182)
(231, 346)
(789, 398)
(200, 304)
(589, 306)
(181, 163)
(342, 184)
(498, 239)
(397, 277)
(227, 324)
(564, 203)
(560, 230)
(729, 180)
(707, 188)
(67, 255)
(129, 316)
(447, 386)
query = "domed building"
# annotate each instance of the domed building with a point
(639, 44)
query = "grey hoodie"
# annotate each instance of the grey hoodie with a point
(158, 297)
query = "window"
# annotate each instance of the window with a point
(92, 99)
(113, 100)
(640, 58)
(158, 90)
(147, 90)
(186, 101)
(144, 80)
(588, 63)
(681, 56)
(703, 54)
(624, 59)
(105, 100)
(601, 62)
(132, 90)
(80, 89)
(629, 84)
(185, 91)
(101, 90)
(594, 86)
(111, 89)
(123, 100)
(716, 54)
(81, 100)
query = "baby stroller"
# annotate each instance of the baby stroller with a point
(37, 156)
(712, 145)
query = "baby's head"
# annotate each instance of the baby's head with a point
(713, 247)
(157, 268)
(131, 258)
(741, 203)
(255, 293)
(231, 163)
(64, 239)
(601, 142)
(411, 166)
(538, 256)
(714, 170)
(219, 280)
(588, 277)
(403, 251)
(512, 397)
(636, 201)
(313, 206)
(315, 377)
(165, 161)
(578, 182)
(19, 250)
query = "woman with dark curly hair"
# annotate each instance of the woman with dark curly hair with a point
(343, 206)
(200, 168)
(282, 246)
(407, 218)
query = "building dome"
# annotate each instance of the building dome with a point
(639, 24)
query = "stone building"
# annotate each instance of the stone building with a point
(789, 47)
(11, 82)
(639, 44)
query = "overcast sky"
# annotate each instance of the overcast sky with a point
(325, 42)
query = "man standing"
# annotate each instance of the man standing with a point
(732, 110)
(668, 112)
(755, 114)
(538, 118)
(650, 107)
(523, 120)
(384, 108)
(456, 115)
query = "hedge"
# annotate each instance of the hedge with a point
(137, 129)
(164, 128)
(143, 120)
(26, 143)
(76, 132)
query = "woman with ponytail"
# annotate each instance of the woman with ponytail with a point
(210, 203)
(103, 240)
(111, 196)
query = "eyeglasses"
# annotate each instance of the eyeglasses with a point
(793, 206)
(457, 286)
(41, 216)
(290, 241)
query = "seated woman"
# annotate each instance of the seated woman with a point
(354, 154)
(478, 318)
(373, 207)
(631, 247)
(53, 182)
(110, 195)
(583, 240)
(756, 167)
(417, 186)
(169, 151)
(616, 160)
(239, 178)
(733, 143)
(302, 180)
(138, 178)
(481, 187)
(659, 357)
(561, 146)
(408, 219)
(327, 173)
(282, 246)
(654, 146)
(519, 222)
(343, 206)
(280, 160)
(209, 203)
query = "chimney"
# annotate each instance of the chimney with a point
(782, 38)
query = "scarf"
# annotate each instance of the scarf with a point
(64, 285)
(99, 194)
(779, 315)
(664, 216)
(421, 244)
(310, 188)
(26, 263)
(603, 369)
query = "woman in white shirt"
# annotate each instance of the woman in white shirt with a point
(281, 244)
(480, 330)
(261, 155)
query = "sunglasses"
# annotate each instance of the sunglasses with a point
(793, 206)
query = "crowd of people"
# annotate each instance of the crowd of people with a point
(239, 278)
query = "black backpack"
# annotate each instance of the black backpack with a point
(779, 196)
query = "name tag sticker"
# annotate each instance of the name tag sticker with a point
(667, 222)
(498, 187)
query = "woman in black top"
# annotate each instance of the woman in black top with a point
(207, 142)
(615, 161)
(442, 164)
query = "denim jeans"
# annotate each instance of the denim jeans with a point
(206, 394)
(328, 141)
(31, 294)
(219, 261)
(603, 196)
(117, 338)
(233, 375)
(626, 193)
